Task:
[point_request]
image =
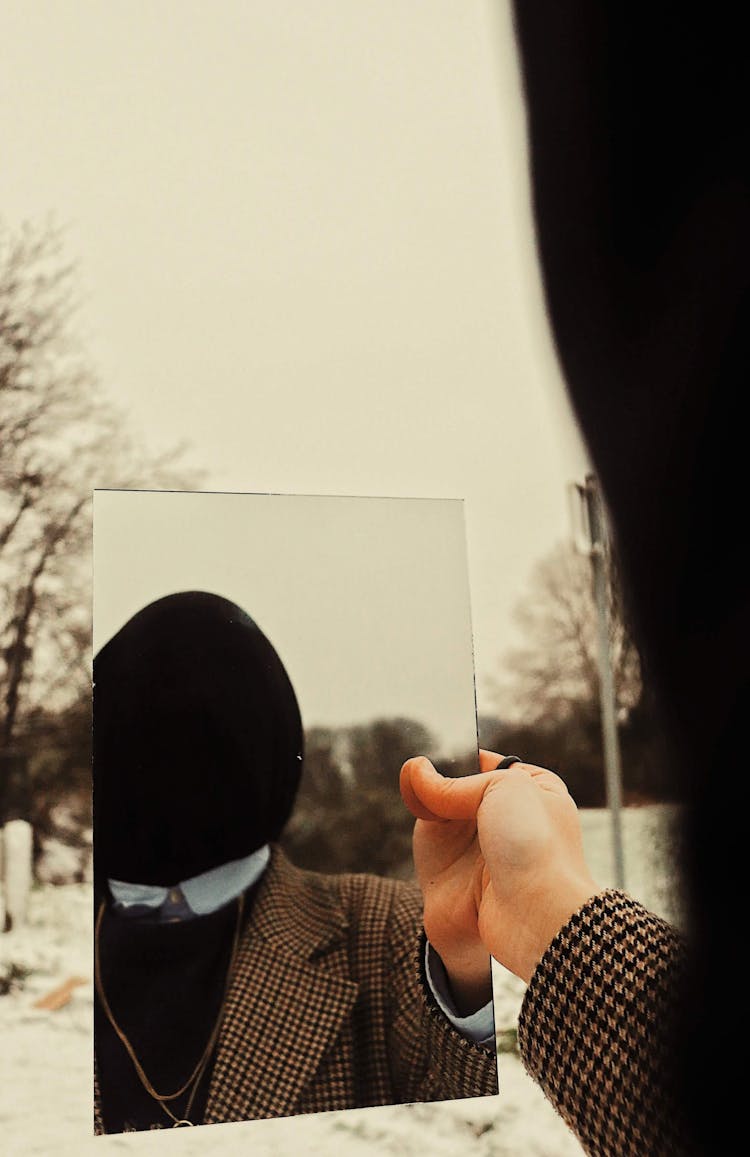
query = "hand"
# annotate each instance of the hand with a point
(449, 868)
(499, 857)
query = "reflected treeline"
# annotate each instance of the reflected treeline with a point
(349, 816)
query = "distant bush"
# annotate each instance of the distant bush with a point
(12, 977)
(349, 816)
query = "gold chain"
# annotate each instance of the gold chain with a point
(195, 1077)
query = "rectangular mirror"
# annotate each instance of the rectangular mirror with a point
(361, 605)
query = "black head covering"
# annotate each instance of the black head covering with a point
(197, 741)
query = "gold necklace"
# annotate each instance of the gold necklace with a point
(195, 1077)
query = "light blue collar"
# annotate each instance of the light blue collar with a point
(194, 897)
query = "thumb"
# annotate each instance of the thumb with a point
(431, 796)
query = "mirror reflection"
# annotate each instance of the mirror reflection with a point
(263, 666)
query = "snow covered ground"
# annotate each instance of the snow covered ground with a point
(45, 1057)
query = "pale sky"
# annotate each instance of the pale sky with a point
(304, 244)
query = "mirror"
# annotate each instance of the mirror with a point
(365, 603)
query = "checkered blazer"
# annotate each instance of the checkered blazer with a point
(598, 1029)
(328, 1007)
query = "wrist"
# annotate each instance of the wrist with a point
(469, 975)
(547, 911)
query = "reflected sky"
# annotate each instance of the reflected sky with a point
(365, 599)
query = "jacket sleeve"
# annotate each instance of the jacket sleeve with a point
(597, 1028)
(429, 1059)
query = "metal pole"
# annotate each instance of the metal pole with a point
(612, 767)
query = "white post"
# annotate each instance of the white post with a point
(17, 860)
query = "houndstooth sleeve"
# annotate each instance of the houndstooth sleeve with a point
(597, 1028)
(429, 1058)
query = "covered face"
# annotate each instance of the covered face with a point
(197, 741)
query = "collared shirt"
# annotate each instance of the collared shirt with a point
(197, 896)
(206, 893)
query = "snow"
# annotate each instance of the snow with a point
(46, 1058)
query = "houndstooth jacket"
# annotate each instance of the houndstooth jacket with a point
(598, 1029)
(328, 1007)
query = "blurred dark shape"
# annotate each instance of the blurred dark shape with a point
(641, 181)
(198, 744)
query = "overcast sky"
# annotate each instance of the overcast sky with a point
(304, 244)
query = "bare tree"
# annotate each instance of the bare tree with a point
(547, 695)
(555, 670)
(59, 439)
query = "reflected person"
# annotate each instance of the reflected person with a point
(231, 985)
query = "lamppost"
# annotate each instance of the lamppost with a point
(590, 537)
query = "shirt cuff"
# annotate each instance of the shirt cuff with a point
(479, 1027)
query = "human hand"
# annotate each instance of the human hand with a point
(499, 858)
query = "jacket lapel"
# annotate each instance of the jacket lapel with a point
(289, 997)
